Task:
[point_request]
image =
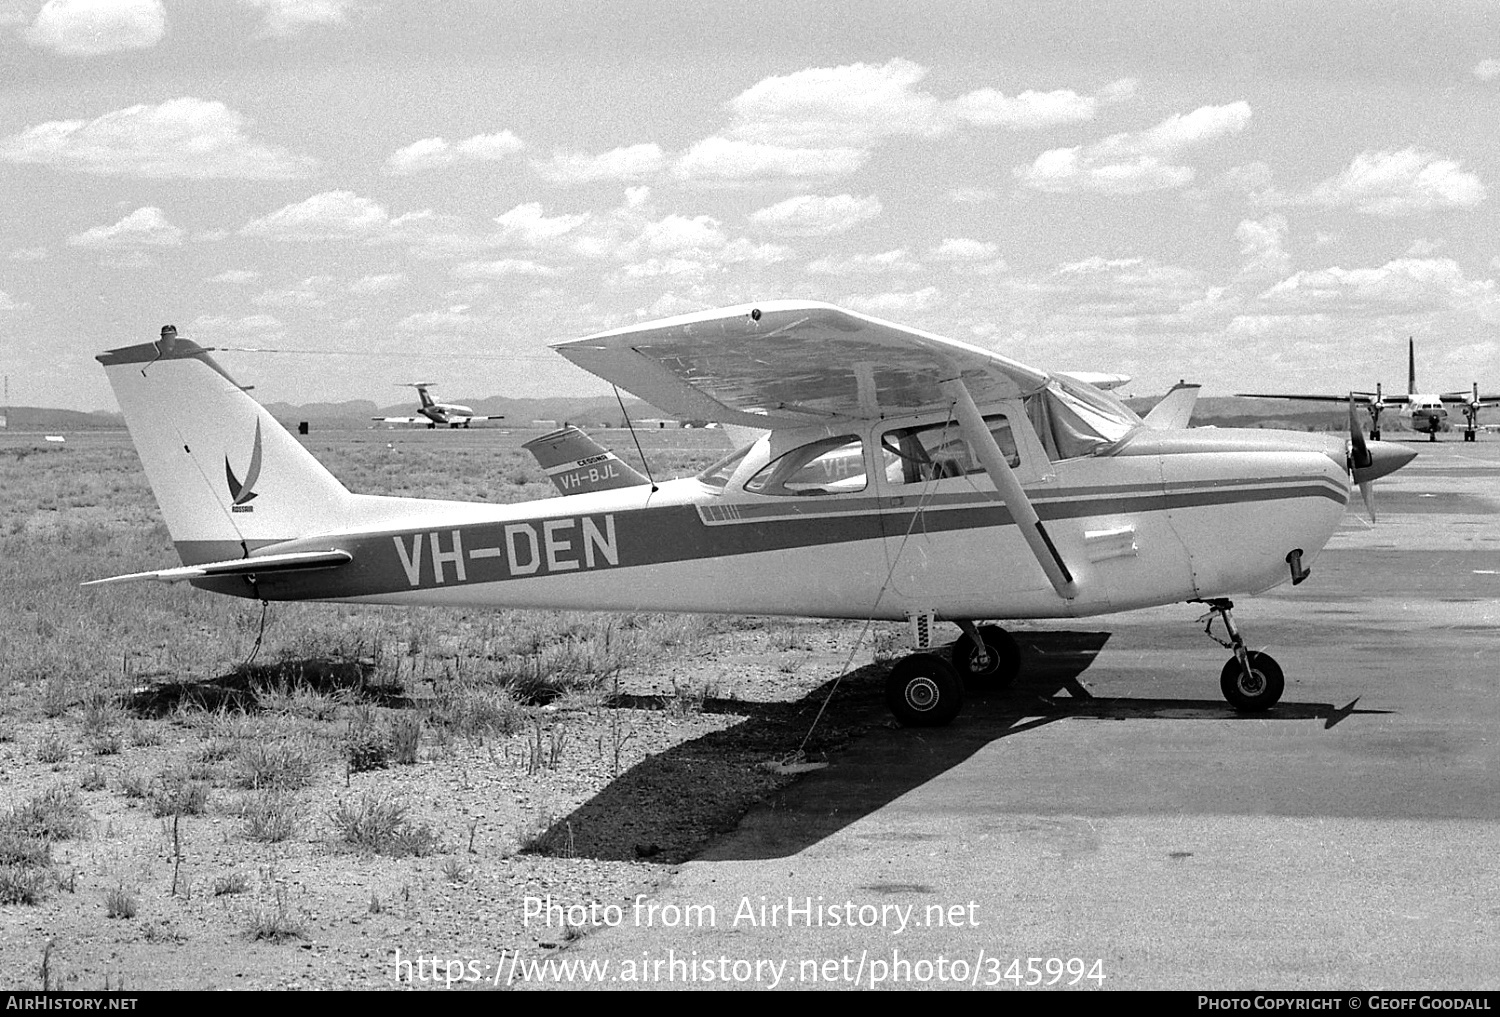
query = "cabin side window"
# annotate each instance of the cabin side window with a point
(829, 466)
(914, 455)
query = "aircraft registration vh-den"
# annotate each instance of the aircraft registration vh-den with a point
(894, 475)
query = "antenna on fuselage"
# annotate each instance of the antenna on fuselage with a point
(635, 439)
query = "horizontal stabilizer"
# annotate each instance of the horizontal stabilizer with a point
(297, 561)
(1096, 379)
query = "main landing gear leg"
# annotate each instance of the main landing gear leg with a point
(986, 656)
(1252, 681)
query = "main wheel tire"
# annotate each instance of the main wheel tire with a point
(923, 690)
(1260, 690)
(992, 665)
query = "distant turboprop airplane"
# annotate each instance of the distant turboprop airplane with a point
(434, 413)
(1428, 411)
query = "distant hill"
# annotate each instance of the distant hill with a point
(39, 418)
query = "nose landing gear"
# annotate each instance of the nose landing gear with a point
(1251, 680)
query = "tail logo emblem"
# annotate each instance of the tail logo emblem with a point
(243, 492)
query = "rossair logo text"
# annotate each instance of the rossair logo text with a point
(539, 547)
(242, 493)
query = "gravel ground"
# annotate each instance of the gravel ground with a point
(594, 799)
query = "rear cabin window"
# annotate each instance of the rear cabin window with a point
(915, 455)
(829, 466)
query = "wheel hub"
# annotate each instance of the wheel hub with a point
(921, 694)
(1252, 683)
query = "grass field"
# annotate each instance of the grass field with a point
(171, 786)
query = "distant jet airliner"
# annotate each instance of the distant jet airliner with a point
(435, 413)
(1428, 412)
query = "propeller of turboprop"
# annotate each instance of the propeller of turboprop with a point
(1371, 460)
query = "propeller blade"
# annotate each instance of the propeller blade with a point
(1367, 489)
(1359, 452)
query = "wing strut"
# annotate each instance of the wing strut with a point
(1010, 490)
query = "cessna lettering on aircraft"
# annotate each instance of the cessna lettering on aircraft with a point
(435, 413)
(897, 475)
(1428, 411)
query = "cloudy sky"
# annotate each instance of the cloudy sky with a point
(1252, 196)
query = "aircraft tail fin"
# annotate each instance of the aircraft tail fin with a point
(228, 477)
(1175, 409)
(577, 463)
(1411, 366)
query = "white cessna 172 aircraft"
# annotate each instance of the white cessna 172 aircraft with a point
(1428, 411)
(900, 475)
(435, 413)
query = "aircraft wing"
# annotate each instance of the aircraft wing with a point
(785, 363)
(294, 561)
(460, 419)
(1464, 398)
(1363, 398)
(402, 420)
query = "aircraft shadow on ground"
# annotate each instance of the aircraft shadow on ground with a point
(243, 688)
(669, 807)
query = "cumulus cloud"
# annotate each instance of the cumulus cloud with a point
(308, 293)
(897, 261)
(1027, 111)
(235, 277)
(95, 27)
(1132, 163)
(143, 227)
(632, 162)
(895, 303)
(219, 324)
(811, 215)
(528, 225)
(857, 104)
(384, 283)
(720, 158)
(1487, 70)
(332, 215)
(453, 319)
(284, 18)
(503, 268)
(436, 153)
(1407, 182)
(962, 249)
(179, 139)
(1404, 286)
(1260, 246)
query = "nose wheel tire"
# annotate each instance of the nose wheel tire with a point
(923, 690)
(1256, 691)
(993, 663)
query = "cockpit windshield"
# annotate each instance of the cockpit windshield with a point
(1074, 419)
(719, 473)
